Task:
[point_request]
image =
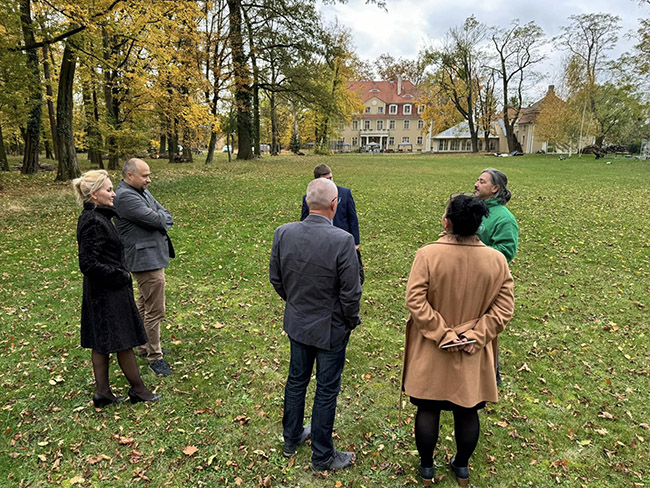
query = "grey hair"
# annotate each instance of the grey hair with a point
(131, 166)
(501, 180)
(320, 193)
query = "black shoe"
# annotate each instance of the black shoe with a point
(427, 474)
(135, 398)
(340, 460)
(160, 367)
(290, 449)
(100, 401)
(461, 472)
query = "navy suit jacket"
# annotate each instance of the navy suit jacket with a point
(346, 214)
(314, 268)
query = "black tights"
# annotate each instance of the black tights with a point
(466, 426)
(129, 366)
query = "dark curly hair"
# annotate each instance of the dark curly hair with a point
(466, 214)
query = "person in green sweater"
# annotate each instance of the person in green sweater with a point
(499, 230)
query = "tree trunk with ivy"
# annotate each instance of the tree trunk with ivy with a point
(68, 164)
(32, 133)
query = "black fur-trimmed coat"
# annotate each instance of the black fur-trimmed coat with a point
(110, 321)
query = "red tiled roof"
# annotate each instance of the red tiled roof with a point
(387, 91)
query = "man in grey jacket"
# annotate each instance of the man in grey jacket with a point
(314, 268)
(143, 224)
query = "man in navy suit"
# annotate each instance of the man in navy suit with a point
(315, 270)
(346, 215)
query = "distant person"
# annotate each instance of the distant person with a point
(143, 224)
(346, 215)
(110, 322)
(315, 270)
(500, 230)
(460, 297)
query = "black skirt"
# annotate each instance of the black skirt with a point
(443, 405)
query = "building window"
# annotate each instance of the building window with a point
(407, 124)
(420, 124)
(366, 125)
(420, 109)
(380, 125)
(367, 110)
(355, 141)
(441, 145)
(406, 139)
(380, 110)
(493, 146)
(341, 126)
(407, 109)
(355, 125)
(419, 141)
(391, 124)
(392, 109)
(453, 145)
(391, 141)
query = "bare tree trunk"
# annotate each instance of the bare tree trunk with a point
(209, 158)
(242, 79)
(33, 132)
(275, 131)
(112, 106)
(187, 152)
(68, 164)
(50, 103)
(48, 149)
(162, 149)
(4, 162)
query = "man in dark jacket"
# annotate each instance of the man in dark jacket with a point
(143, 224)
(315, 270)
(346, 214)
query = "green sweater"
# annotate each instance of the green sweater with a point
(499, 230)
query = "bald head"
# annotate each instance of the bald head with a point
(137, 174)
(321, 194)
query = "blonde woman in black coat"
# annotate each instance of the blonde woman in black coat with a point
(110, 322)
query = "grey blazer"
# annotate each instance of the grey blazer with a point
(143, 224)
(314, 268)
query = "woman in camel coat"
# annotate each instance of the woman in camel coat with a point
(459, 294)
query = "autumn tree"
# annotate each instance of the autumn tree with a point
(390, 68)
(518, 50)
(457, 65)
(587, 38)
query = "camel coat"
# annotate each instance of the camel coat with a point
(455, 289)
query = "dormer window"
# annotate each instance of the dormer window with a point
(367, 110)
(392, 109)
(408, 95)
(420, 108)
(407, 109)
(375, 90)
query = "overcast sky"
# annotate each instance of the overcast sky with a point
(408, 25)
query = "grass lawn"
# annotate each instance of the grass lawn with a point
(573, 409)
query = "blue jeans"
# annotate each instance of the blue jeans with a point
(329, 367)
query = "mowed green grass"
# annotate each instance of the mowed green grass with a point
(573, 409)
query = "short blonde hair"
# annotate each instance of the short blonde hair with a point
(88, 182)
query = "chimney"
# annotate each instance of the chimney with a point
(399, 84)
(551, 90)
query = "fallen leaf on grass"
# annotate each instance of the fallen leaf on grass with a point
(124, 440)
(190, 450)
(605, 415)
(98, 459)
